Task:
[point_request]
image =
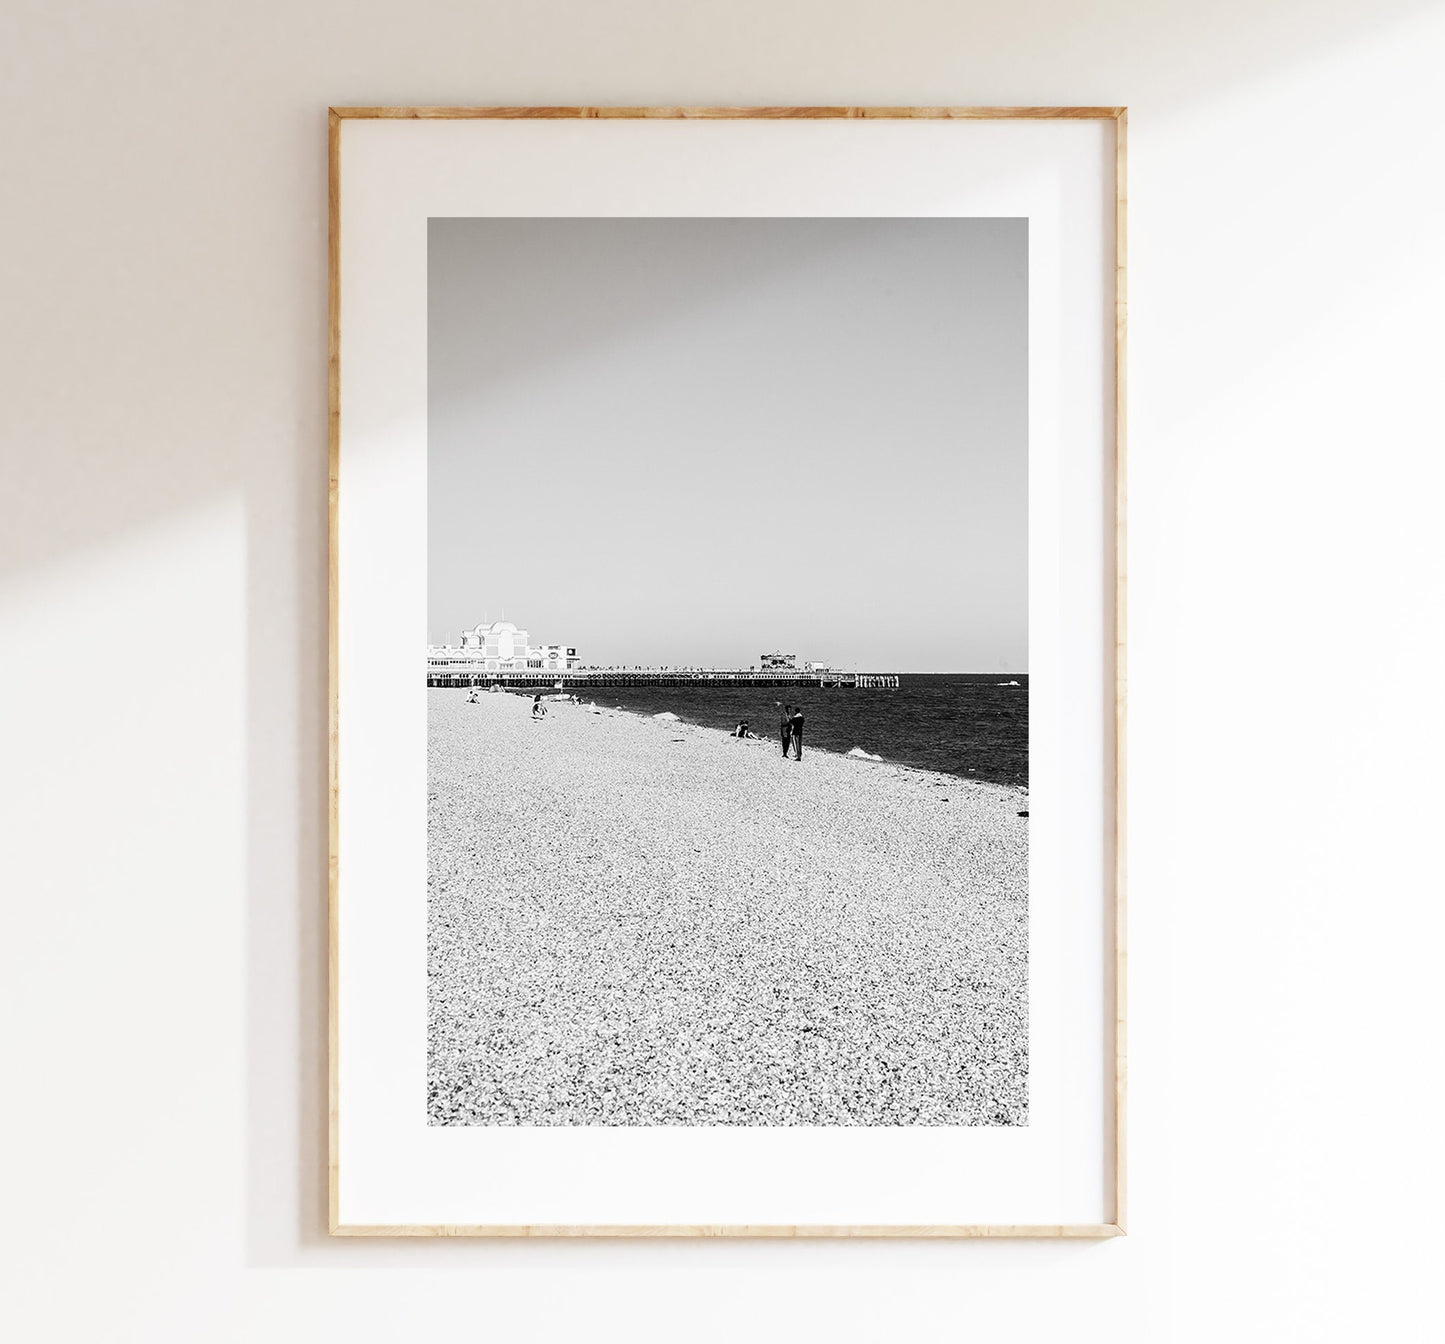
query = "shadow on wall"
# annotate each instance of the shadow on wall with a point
(193, 341)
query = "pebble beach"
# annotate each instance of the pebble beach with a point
(635, 921)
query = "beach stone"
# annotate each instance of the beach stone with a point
(624, 934)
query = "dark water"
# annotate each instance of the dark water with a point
(964, 724)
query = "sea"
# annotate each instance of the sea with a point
(969, 724)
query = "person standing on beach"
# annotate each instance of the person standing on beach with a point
(785, 728)
(796, 724)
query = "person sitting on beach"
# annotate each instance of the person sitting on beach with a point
(786, 727)
(742, 730)
(472, 696)
(539, 710)
(796, 724)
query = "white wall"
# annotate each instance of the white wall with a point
(163, 846)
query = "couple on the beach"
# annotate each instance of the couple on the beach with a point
(791, 729)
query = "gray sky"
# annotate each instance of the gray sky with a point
(687, 441)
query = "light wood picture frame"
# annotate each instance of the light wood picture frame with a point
(1109, 1226)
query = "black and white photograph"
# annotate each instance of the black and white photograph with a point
(727, 672)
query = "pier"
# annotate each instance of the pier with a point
(577, 678)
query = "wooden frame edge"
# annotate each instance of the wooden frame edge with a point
(1121, 683)
(682, 113)
(1120, 117)
(333, 433)
(760, 1232)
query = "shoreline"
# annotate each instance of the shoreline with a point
(643, 921)
(876, 759)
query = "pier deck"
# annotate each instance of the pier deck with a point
(649, 676)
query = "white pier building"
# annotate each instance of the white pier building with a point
(498, 647)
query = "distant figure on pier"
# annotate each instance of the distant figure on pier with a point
(796, 724)
(539, 710)
(785, 728)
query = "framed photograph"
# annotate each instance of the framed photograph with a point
(744, 857)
